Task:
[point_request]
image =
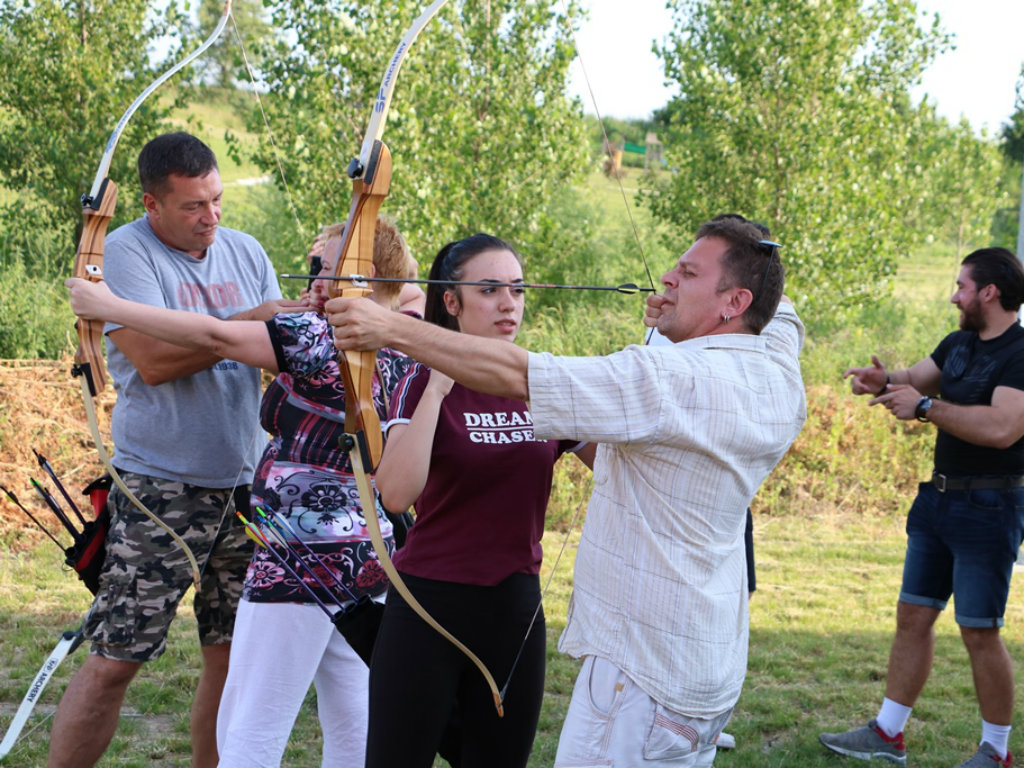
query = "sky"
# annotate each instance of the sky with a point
(977, 79)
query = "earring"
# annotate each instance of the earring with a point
(725, 318)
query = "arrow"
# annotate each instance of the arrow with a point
(626, 288)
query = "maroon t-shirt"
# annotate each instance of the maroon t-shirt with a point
(480, 517)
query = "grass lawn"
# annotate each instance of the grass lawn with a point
(821, 622)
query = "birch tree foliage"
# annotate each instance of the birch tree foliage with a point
(1012, 133)
(68, 70)
(968, 187)
(1011, 143)
(797, 113)
(480, 128)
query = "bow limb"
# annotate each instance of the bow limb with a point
(68, 642)
(97, 211)
(379, 117)
(368, 500)
(108, 153)
(371, 175)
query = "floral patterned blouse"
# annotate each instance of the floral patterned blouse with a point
(306, 477)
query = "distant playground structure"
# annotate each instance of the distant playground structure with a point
(613, 151)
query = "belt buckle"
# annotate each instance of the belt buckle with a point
(939, 481)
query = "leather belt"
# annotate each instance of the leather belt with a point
(978, 482)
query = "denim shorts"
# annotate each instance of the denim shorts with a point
(963, 543)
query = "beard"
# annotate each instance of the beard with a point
(971, 318)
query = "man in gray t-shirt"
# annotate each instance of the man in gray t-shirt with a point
(187, 436)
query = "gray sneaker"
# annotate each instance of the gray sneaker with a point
(987, 757)
(868, 743)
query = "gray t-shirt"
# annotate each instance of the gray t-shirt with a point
(202, 429)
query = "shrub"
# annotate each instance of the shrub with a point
(35, 318)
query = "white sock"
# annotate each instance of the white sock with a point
(892, 717)
(996, 735)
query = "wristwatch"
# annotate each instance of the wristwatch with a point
(923, 406)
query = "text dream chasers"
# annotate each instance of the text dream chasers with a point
(499, 428)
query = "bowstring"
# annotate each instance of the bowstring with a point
(302, 236)
(270, 133)
(547, 584)
(607, 144)
(650, 279)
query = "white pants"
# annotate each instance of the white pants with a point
(612, 722)
(278, 649)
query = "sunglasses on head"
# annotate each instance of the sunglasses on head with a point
(773, 252)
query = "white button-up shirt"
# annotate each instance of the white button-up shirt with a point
(687, 434)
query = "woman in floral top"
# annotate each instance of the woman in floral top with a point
(282, 641)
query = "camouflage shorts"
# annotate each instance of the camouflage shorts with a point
(146, 573)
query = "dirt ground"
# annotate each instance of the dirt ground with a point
(41, 408)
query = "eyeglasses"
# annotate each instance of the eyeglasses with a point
(773, 252)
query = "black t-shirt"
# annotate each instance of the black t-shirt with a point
(971, 371)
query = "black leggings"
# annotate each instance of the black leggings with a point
(424, 692)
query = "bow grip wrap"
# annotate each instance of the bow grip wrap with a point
(96, 215)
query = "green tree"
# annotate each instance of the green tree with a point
(1012, 145)
(1012, 133)
(68, 70)
(798, 114)
(966, 182)
(480, 128)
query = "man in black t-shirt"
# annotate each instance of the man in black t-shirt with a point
(965, 527)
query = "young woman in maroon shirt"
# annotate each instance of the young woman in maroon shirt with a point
(480, 484)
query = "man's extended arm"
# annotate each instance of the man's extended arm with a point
(998, 425)
(491, 366)
(924, 376)
(160, 361)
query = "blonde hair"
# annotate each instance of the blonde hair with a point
(332, 230)
(391, 257)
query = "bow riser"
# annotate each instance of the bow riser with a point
(368, 194)
(96, 216)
